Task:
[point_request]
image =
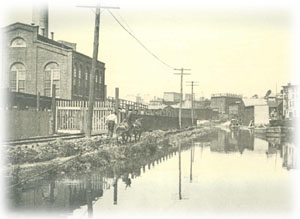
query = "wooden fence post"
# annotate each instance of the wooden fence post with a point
(117, 103)
(53, 108)
(38, 101)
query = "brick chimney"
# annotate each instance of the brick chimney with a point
(40, 18)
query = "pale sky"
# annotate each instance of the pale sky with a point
(237, 48)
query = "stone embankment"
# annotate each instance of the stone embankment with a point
(72, 157)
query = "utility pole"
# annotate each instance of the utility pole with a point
(181, 80)
(192, 84)
(94, 63)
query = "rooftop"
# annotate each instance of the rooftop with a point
(42, 38)
(290, 85)
(227, 95)
(254, 102)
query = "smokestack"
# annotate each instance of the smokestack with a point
(40, 17)
(52, 35)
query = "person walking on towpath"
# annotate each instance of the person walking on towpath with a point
(111, 121)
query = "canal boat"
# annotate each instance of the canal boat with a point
(259, 129)
(278, 131)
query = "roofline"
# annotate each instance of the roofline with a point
(52, 42)
(88, 57)
(16, 23)
(49, 40)
(257, 105)
(291, 85)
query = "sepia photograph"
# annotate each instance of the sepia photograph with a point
(149, 109)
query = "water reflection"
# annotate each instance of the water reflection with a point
(233, 141)
(289, 156)
(184, 175)
(191, 161)
(115, 185)
(228, 142)
(66, 195)
(179, 170)
(89, 197)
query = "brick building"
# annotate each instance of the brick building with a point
(171, 98)
(236, 109)
(32, 63)
(221, 102)
(290, 101)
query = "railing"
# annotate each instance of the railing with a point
(127, 103)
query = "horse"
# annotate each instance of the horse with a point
(137, 129)
(123, 130)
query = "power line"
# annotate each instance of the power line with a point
(129, 28)
(148, 50)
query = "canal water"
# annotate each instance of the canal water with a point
(222, 172)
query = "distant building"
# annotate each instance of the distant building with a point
(196, 104)
(33, 63)
(221, 102)
(290, 98)
(162, 109)
(275, 105)
(139, 99)
(156, 101)
(200, 113)
(236, 109)
(188, 97)
(255, 111)
(171, 98)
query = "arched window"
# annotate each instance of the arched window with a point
(18, 42)
(17, 77)
(52, 76)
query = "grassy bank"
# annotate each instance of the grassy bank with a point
(67, 158)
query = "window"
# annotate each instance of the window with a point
(79, 72)
(18, 42)
(52, 76)
(96, 77)
(87, 73)
(79, 81)
(100, 78)
(75, 79)
(97, 84)
(82, 81)
(17, 77)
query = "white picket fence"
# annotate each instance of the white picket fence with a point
(71, 116)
